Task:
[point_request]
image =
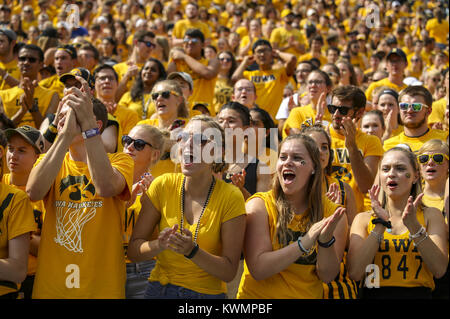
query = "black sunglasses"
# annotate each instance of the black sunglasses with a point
(27, 58)
(342, 109)
(138, 143)
(149, 44)
(164, 94)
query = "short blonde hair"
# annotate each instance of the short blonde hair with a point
(434, 145)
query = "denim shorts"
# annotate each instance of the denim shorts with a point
(157, 291)
(137, 278)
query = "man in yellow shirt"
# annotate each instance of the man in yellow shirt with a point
(143, 45)
(9, 71)
(191, 22)
(415, 107)
(356, 154)
(315, 52)
(81, 253)
(203, 71)
(29, 103)
(437, 117)
(65, 60)
(396, 65)
(269, 79)
(286, 38)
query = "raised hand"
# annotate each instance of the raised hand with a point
(140, 187)
(163, 237)
(238, 179)
(349, 126)
(409, 216)
(334, 193)
(181, 242)
(376, 206)
(321, 105)
(326, 233)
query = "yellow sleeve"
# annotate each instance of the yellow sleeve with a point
(21, 218)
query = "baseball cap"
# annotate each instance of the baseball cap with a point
(30, 134)
(398, 52)
(84, 73)
(185, 76)
(9, 33)
(286, 12)
(395, 4)
(310, 12)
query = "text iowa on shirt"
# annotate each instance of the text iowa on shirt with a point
(262, 78)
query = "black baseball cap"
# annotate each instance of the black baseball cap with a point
(30, 134)
(398, 52)
(82, 72)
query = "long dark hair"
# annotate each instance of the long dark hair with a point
(233, 64)
(138, 85)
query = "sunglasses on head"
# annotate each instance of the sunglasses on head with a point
(197, 138)
(138, 143)
(164, 94)
(416, 107)
(27, 58)
(438, 158)
(342, 109)
(149, 44)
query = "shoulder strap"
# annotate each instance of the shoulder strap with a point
(5, 204)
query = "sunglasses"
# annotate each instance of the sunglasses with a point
(416, 107)
(438, 158)
(197, 138)
(138, 143)
(27, 58)
(224, 59)
(193, 40)
(342, 109)
(164, 94)
(149, 44)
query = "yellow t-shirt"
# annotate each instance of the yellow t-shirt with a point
(183, 25)
(415, 143)
(438, 111)
(303, 115)
(38, 213)
(308, 56)
(81, 250)
(127, 118)
(122, 68)
(226, 202)
(281, 37)
(368, 145)
(438, 31)
(11, 102)
(299, 280)
(144, 107)
(53, 83)
(399, 261)
(13, 69)
(269, 88)
(382, 82)
(16, 218)
(203, 88)
(222, 93)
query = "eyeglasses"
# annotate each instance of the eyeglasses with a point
(164, 94)
(416, 107)
(137, 143)
(342, 109)
(415, 60)
(149, 44)
(435, 79)
(105, 78)
(193, 40)
(197, 138)
(27, 58)
(246, 88)
(225, 59)
(316, 82)
(438, 158)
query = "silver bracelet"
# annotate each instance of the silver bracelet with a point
(421, 231)
(378, 236)
(5, 76)
(420, 241)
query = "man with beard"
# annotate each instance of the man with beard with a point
(356, 154)
(29, 103)
(415, 107)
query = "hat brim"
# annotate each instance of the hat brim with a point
(399, 55)
(63, 78)
(11, 132)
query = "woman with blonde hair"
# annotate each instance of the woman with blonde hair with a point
(201, 221)
(401, 240)
(295, 236)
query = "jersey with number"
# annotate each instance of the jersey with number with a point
(38, 213)
(269, 86)
(81, 249)
(11, 103)
(399, 262)
(299, 280)
(226, 202)
(368, 145)
(16, 218)
(222, 93)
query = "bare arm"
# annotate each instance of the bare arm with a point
(207, 72)
(14, 267)
(238, 73)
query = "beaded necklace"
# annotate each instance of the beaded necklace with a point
(203, 209)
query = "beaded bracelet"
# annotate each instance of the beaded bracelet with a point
(420, 241)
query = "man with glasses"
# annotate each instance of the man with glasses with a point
(120, 118)
(396, 65)
(9, 71)
(355, 154)
(203, 71)
(415, 104)
(143, 45)
(244, 92)
(29, 102)
(269, 78)
(65, 60)
(191, 22)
